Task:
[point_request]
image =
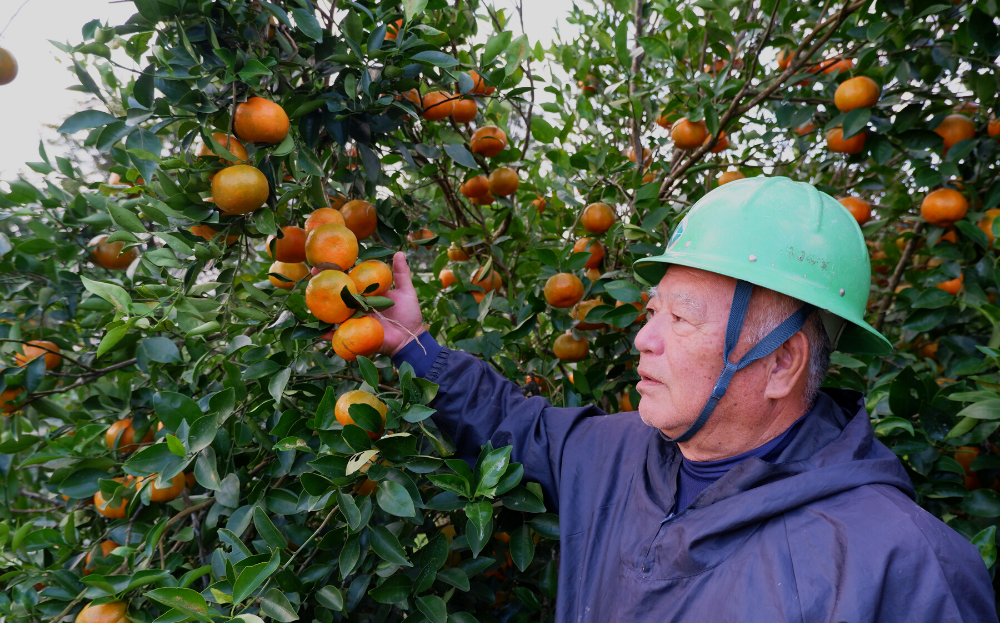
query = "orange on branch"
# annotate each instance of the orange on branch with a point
(488, 283)
(342, 412)
(232, 145)
(106, 548)
(332, 244)
(539, 203)
(985, 224)
(478, 83)
(38, 348)
(784, 58)
(593, 274)
(208, 233)
(465, 110)
(484, 200)
(503, 181)
(954, 129)
(324, 216)
(805, 128)
(8, 400)
(475, 187)
(859, 92)
(568, 348)
(597, 218)
(944, 207)
(447, 277)
(664, 122)
(457, 253)
(438, 105)
(639, 306)
(952, 286)
(323, 295)
(111, 512)
(420, 237)
(858, 208)
(993, 128)
(836, 142)
(392, 30)
(594, 247)
(730, 176)
(360, 217)
(109, 612)
(258, 120)
(488, 140)
(8, 67)
(109, 254)
(647, 155)
(834, 65)
(336, 202)
(126, 442)
(358, 337)
(240, 189)
(563, 290)
(580, 311)
(291, 248)
(165, 494)
(688, 134)
(372, 272)
(295, 272)
(722, 143)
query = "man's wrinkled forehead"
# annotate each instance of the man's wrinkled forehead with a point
(679, 300)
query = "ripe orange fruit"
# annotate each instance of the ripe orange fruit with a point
(952, 286)
(539, 203)
(944, 207)
(357, 337)
(240, 189)
(833, 65)
(928, 351)
(360, 217)
(568, 348)
(563, 290)
(478, 83)
(649, 177)
(465, 110)
(106, 548)
(595, 248)
(722, 143)
(291, 248)
(484, 200)
(323, 216)
(295, 272)
(32, 351)
(475, 187)
(859, 92)
(438, 105)
(420, 237)
(784, 58)
(965, 455)
(953, 129)
(597, 218)
(156, 494)
(488, 283)
(730, 176)
(503, 181)
(593, 274)
(206, 232)
(8, 404)
(116, 180)
(457, 253)
(858, 208)
(110, 612)
(391, 30)
(372, 272)
(640, 306)
(951, 237)
(125, 443)
(836, 142)
(647, 155)
(580, 311)
(625, 402)
(993, 127)
(231, 143)
(488, 140)
(111, 512)
(333, 244)
(341, 409)
(688, 134)
(664, 122)
(109, 254)
(447, 277)
(8, 67)
(323, 296)
(258, 120)
(985, 224)
(805, 128)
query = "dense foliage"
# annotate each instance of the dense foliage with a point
(242, 492)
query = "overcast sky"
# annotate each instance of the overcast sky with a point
(38, 95)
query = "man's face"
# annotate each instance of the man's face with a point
(680, 347)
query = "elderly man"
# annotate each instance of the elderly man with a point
(740, 491)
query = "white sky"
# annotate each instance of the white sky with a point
(38, 96)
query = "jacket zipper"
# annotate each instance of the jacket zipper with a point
(647, 564)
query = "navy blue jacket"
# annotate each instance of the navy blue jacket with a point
(827, 533)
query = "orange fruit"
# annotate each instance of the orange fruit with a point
(568, 348)
(730, 176)
(32, 351)
(206, 232)
(372, 272)
(438, 105)
(341, 410)
(503, 181)
(593, 274)
(231, 143)
(664, 122)
(111, 512)
(156, 494)
(944, 207)
(580, 311)
(109, 254)
(391, 30)
(953, 129)
(484, 200)
(563, 290)
(488, 283)
(965, 455)
(985, 224)
(418, 238)
(836, 142)
(597, 218)
(539, 203)
(721, 144)
(488, 140)
(126, 442)
(784, 58)
(358, 337)
(295, 272)
(805, 128)
(647, 155)
(413, 95)
(465, 110)
(625, 402)
(240, 189)
(640, 306)
(106, 548)
(952, 238)
(595, 248)
(447, 277)
(323, 296)
(8, 67)
(859, 92)
(360, 217)
(478, 83)
(993, 128)
(8, 404)
(323, 216)
(336, 201)
(475, 187)
(952, 286)
(110, 612)
(291, 248)
(457, 253)
(332, 244)
(858, 208)
(258, 120)
(688, 134)
(928, 351)
(833, 65)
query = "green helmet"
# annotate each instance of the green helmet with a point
(788, 237)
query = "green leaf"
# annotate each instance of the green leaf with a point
(454, 576)
(160, 350)
(434, 608)
(253, 576)
(306, 22)
(113, 336)
(393, 498)
(984, 410)
(267, 530)
(461, 155)
(394, 590)
(856, 121)
(116, 295)
(624, 291)
(173, 408)
(387, 546)
(276, 386)
(275, 605)
(368, 371)
(655, 47)
(542, 131)
(433, 57)
(520, 499)
(85, 120)
(985, 542)
(332, 598)
(413, 8)
(185, 600)
(982, 503)
(495, 46)
(522, 547)
(126, 220)
(254, 68)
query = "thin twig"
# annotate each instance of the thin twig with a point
(897, 274)
(13, 16)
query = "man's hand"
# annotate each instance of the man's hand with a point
(406, 310)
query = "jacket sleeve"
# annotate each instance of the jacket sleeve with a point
(475, 404)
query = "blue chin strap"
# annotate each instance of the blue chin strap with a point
(770, 343)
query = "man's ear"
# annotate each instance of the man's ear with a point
(790, 368)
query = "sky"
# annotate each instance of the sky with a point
(38, 96)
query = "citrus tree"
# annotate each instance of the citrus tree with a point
(197, 423)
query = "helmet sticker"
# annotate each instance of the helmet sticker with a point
(677, 234)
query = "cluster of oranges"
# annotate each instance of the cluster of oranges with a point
(487, 280)
(462, 107)
(32, 350)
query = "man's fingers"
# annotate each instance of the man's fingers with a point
(401, 277)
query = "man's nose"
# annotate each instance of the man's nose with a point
(646, 340)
